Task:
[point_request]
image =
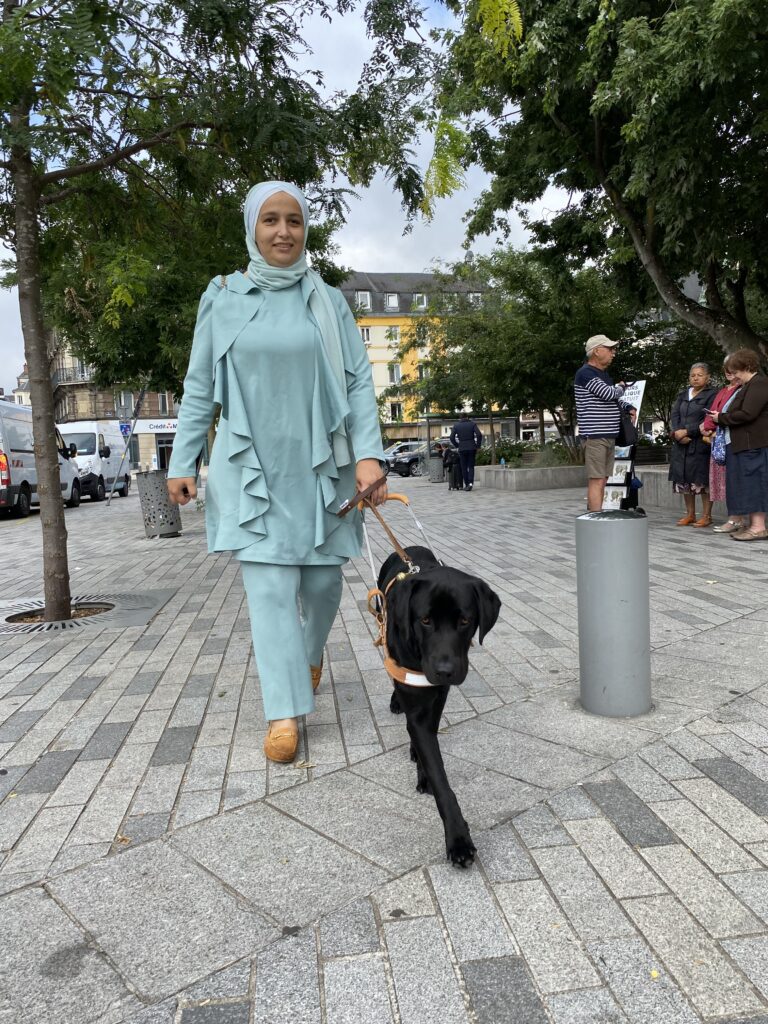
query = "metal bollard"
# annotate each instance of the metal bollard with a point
(614, 614)
(161, 517)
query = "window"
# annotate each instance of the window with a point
(419, 300)
(395, 411)
(475, 298)
(363, 300)
(391, 300)
(423, 371)
(125, 401)
(393, 335)
(394, 373)
(19, 400)
(163, 403)
(365, 334)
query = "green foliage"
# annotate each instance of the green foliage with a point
(501, 23)
(652, 117)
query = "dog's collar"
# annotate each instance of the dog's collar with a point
(405, 676)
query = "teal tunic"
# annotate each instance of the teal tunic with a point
(276, 478)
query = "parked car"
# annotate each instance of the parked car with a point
(411, 463)
(99, 448)
(397, 449)
(18, 471)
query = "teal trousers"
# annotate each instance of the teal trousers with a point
(292, 608)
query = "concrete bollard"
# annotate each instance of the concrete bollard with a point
(614, 614)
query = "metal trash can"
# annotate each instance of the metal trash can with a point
(614, 612)
(161, 517)
(435, 469)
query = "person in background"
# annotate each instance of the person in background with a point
(746, 467)
(279, 352)
(467, 438)
(689, 464)
(717, 471)
(598, 405)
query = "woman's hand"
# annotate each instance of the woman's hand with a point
(367, 472)
(715, 416)
(181, 489)
(680, 434)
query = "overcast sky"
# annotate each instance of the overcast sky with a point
(372, 239)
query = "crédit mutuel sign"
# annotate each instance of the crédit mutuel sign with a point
(156, 426)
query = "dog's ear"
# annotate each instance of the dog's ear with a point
(401, 638)
(488, 607)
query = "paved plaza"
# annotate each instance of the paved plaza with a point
(155, 869)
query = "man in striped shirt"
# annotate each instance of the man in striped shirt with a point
(597, 415)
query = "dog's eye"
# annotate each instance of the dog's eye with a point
(463, 622)
(426, 621)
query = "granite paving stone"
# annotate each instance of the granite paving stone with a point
(501, 992)
(503, 857)
(573, 804)
(349, 931)
(714, 846)
(642, 986)
(163, 921)
(725, 810)
(287, 982)
(227, 1013)
(475, 926)
(704, 974)
(231, 983)
(49, 771)
(738, 781)
(703, 895)
(105, 741)
(66, 979)
(592, 1006)
(539, 827)
(639, 825)
(551, 949)
(356, 992)
(619, 866)
(751, 887)
(284, 868)
(175, 746)
(406, 896)
(426, 986)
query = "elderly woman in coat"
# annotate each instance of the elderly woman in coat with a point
(279, 352)
(689, 464)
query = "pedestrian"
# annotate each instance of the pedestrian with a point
(717, 492)
(598, 413)
(279, 352)
(746, 423)
(467, 438)
(689, 462)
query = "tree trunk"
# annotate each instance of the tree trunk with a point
(492, 437)
(542, 434)
(55, 565)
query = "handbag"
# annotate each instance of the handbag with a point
(718, 446)
(627, 430)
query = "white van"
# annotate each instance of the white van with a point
(18, 472)
(100, 447)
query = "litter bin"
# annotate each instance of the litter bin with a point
(614, 614)
(435, 469)
(161, 516)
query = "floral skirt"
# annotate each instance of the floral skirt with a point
(716, 481)
(689, 488)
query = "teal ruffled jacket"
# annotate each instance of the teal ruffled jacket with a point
(237, 493)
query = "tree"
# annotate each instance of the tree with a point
(107, 106)
(652, 117)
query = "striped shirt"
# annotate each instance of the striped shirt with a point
(597, 411)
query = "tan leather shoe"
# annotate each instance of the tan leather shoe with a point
(316, 671)
(686, 521)
(281, 742)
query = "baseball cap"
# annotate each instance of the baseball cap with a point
(597, 340)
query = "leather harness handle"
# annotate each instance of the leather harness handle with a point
(360, 496)
(402, 553)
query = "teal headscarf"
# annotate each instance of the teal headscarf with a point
(270, 278)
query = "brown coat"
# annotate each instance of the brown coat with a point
(747, 415)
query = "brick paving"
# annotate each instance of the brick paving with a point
(155, 869)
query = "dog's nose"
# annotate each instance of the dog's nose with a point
(445, 669)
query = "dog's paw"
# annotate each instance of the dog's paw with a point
(461, 851)
(394, 704)
(414, 755)
(423, 785)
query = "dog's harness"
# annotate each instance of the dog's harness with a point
(377, 599)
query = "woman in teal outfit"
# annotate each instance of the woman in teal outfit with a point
(279, 352)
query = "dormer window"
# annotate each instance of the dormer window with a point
(419, 300)
(391, 300)
(363, 300)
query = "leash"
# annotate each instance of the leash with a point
(377, 599)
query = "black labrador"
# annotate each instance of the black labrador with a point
(432, 616)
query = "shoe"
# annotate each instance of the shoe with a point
(316, 671)
(686, 521)
(281, 744)
(470, 487)
(702, 522)
(748, 534)
(728, 527)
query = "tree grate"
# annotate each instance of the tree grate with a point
(127, 610)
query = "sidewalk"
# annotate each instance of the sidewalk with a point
(155, 869)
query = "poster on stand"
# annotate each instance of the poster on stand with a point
(620, 469)
(614, 496)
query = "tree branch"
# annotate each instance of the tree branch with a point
(736, 288)
(66, 173)
(712, 288)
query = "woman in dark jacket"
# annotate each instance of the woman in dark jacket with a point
(689, 464)
(746, 467)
